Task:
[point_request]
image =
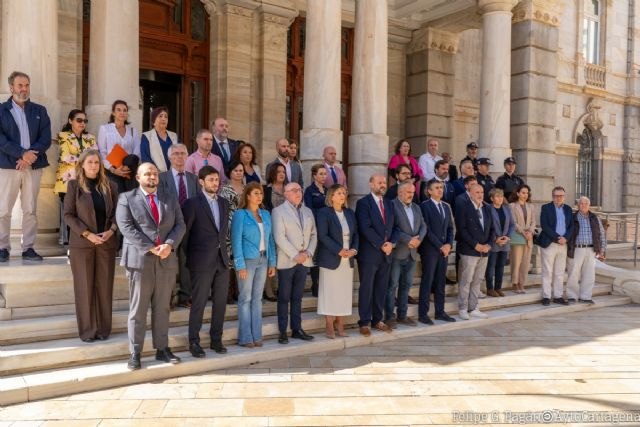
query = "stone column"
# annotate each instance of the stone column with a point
(114, 61)
(496, 82)
(397, 82)
(321, 106)
(30, 44)
(534, 71)
(368, 142)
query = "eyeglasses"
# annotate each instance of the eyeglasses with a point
(79, 120)
(558, 195)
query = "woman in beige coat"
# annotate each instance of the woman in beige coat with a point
(523, 213)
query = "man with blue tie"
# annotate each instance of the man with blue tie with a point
(556, 220)
(434, 252)
(474, 235)
(375, 219)
(336, 174)
(223, 146)
(206, 218)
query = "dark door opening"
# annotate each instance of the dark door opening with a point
(161, 89)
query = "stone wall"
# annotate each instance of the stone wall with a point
(69, 59)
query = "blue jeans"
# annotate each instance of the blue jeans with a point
(250, 301)
(402, 272)
(495, 267)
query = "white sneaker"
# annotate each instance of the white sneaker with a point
(464, 315)
(477, 313)
(482, 295)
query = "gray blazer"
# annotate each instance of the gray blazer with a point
(403, 232)
(508, 228)
(168, 186)
(290, 238)
(296, 172)
(140, 230)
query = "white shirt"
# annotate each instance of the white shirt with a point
(377, 200)
(287, 167)
(409, 211)
(215, 208)
(108, 137)
(427, 163)
(176, 180)
(439, 207)
(262, 246)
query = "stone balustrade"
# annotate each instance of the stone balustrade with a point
(595, 75)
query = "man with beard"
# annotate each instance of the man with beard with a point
(292, 168)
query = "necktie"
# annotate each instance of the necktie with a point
(205, 163)
(441, 209)
(384, 217)
(225, 155)
(154, 212)
(182, 189)
(216, 213)
(333, 175)
(480, 217)
(300, 217)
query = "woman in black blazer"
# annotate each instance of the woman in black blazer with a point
(314, 199)
(89, 211)
(337, 245)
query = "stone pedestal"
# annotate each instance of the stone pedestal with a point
(30, 44)
(114, 61)
(321, 108)
(534, 70)
(368, 143)
(494, 97)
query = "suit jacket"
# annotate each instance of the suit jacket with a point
(403, 231)
(330, 241)
(39, 135)
(518, 219)
(233, 147)
(453, 172)
(296, 171)
(469, 230)
(168, 185)
(342, 178)
(374, 232)
(439, 230)
(290, 237)
(509, 226)
(205, 240)
(80, 215)
(140, 230)
(392, 193)
(548, 222)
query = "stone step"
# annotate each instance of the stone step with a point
(46, 326)
(57, 353)
(58, 382)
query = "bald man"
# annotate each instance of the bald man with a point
(335, 173)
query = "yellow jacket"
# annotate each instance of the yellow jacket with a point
(70, 150)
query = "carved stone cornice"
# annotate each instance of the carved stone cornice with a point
(434, 39)
(545, 11)
(242, 8)
(210, 6)
(280, 13)
(488, 6)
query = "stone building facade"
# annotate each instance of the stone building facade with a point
(552, 82)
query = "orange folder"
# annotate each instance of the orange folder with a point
(116, 155)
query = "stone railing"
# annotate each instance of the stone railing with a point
(595, 75)
(625, 282)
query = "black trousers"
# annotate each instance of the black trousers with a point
(212, 280)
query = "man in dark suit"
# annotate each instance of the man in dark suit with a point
(223, 146)
(25, 137)
(180, 185)
(152, 226)
(453, 170)
(409, 230)
(466, 169)
(474, 236)
(434, 252)
(292, 168)
(375, 224)
(556, 220)
(403, 174)
(442, 175)
(206, 219)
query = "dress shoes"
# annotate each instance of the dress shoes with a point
(196, 350)
(218, 347)
(257, 344)
(282, 338)
(587, 301)
(391, 323)
(365, 331)
(184, 303)
(249, 345)
(134, 362)
(493, 293)
(4, 255)
(408, 321)
(572, 300)
(445, 317)
(426, 321)
(499, 292)
(381, 326)
(102, 337)
(165, 355)
(31, 255)
(87, 340)
(560, 301)
(301, 335)
(412, 300)
(546, 301)
(269, 298)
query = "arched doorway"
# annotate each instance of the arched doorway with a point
(589, 165)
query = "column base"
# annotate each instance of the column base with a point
(312, 143)
(368, 154)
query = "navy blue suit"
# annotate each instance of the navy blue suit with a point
(330, 237)
(233, 147)
(434, 264)
(548, 221)
(469, 230)
(39, 135)
(373, 265)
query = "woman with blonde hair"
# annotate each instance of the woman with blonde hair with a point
(89, 210)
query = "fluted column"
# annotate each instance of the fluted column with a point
(114, 60)
(495, 101)
(368, 142)
(30, 44)
(321, 107)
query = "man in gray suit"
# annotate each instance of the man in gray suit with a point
(152, 226)
(294, 230)
(180, 185)
(292, 168)
(409, 230)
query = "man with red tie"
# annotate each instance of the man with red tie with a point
(152, 226)
(375, 219)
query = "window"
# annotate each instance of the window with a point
(591, 29)
(585, 165)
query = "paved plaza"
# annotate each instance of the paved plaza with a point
(502, 374)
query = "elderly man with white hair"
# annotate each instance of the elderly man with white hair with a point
(586, 243)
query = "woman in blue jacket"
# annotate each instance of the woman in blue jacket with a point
(254, 257)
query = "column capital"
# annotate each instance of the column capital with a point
(488, 6)
(434, 39)
(281, 12)
(545, 11)
(233, 7)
